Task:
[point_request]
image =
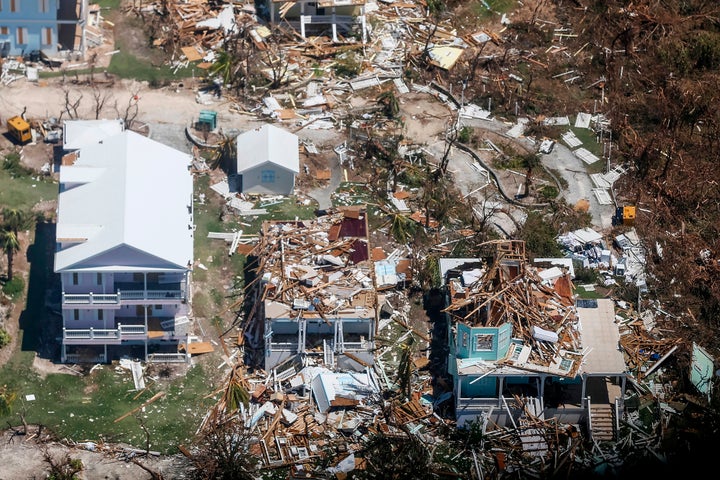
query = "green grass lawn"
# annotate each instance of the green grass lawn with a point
(24, 191)
(84, 408)
(126, 65)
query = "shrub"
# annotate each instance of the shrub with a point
(13, 165)
(348, 65)
(584, 274)
(4, 337)
(14, 288)
(464, 134)
(549, 192)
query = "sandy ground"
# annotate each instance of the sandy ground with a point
(24, 457)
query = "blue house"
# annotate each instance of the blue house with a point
(47, 26)
(520, 344)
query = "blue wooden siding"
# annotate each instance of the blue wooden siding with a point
(33, 22)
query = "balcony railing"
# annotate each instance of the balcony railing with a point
(82, 358)
(104, 335)
(124, 297)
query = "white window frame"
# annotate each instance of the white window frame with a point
(46, 36)
(481, 341)
(43, 6)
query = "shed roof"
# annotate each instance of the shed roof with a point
(268, 144)
(126, 205)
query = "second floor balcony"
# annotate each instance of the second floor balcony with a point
(127, 295)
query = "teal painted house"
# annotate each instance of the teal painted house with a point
(47, 26)
(520, 346)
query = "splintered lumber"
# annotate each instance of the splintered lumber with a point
(152, 399)
(356, 359)
(183, 449)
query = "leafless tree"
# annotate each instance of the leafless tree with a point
(451, 136)
(275, 59)
(100, 98)
(72, 105)
(130, 113)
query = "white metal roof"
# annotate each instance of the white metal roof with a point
(78, 133)
(132, 213)
(268, 144)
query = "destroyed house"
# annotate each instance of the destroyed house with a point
(520, 344)
(315, 295)
(313, 18)
(124, 250)
(43, 26)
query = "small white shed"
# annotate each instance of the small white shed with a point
(268, 158)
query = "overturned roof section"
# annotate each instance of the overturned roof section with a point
(126, 204)
(268, 144)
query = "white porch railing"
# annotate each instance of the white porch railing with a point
(122, 297)
(90, 298)
(123, 332)
(77, 358)
(168, 358)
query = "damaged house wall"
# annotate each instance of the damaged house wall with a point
(514, 333)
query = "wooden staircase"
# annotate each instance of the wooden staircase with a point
(602, 421)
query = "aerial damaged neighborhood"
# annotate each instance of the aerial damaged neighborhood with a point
(359, 239)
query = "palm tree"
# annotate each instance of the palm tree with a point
(16, 219)
(223, 66)
(7, 397)
(225, 153)
(10, 243)
(405, 367)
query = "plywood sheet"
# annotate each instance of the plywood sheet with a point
(199, 347)
(191, 53)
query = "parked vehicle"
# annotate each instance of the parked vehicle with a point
(19, 129)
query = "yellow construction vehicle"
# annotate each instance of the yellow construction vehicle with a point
(19, 129)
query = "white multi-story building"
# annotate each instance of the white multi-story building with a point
(124, 250)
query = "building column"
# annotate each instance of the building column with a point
(582, 393)
(272, 12)
(334, 25)
(106, 355)
(458, 392)
(501, 386)
(363, 23)
(302, 33)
